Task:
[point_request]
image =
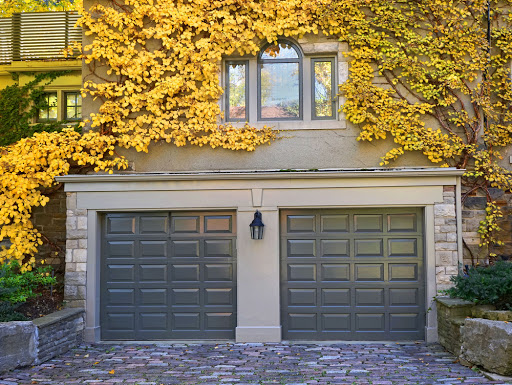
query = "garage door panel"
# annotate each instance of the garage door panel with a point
(302, 297)
(217, 224)
(219, 321)
(302, 321)
(336, 297)
(369, 247)
(154, 225)
(168, 276)
(152, 273)
(402, 222)
(120, 249)
(404, 297)
(370, 322)
(217, 297)
(369, 297)
(153, 321)
(153, 297)
(301, 272)
(153, 249)
(120, 273)
(185, 297)
(335, 248)
(301, 248)
(185, 224)
(335, 272)
(301, 224)
(218, 248)
(121, 225)
(404, 322)
(118, 297)
(338, 322)
(334, 223)
(403, 247)
(403, 272)
(186, 249)
(369, 272)
(365, 280)
(368, 223)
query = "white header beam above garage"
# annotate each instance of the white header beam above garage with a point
(265, 179)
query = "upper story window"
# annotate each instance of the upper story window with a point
(282, 85)
(73, 106)
(49, 110)
(280, 82)
(60, 105)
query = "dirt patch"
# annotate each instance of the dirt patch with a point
(47, 302)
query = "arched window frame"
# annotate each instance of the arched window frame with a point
(299, 60)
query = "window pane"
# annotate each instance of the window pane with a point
(70, 99)
(52, 113)
(79, 112)
(280, 51)
(43, 115)
(237, 92)
(52, 100)
(279, 90)
(323, 89)
(70, 113)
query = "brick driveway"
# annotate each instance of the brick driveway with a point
(392, 363)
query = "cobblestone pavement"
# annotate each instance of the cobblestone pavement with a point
(382, 364)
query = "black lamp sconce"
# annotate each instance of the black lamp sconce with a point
(257, 226)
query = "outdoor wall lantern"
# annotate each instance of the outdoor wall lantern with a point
(257, 226)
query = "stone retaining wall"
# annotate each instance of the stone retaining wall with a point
(478, 340)
(58, 332)
(25, 343)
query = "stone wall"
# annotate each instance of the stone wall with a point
(25, 343)
(58, 332)
(76, 254)
(50, 221)
(451, 315)
(473, 212)
(445, 223)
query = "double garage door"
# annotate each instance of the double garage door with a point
(353, 274)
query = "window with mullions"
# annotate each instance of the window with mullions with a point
(237, 91)
(323, 88)
(280, 82)
(49, 110)
(73, 106)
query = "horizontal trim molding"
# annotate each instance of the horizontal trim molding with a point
(262, 175)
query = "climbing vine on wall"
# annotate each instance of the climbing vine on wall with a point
(416, 76)
(19, 106)
(425, 74)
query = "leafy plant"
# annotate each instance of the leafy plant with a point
(19, 106)
(485, 285)
(17, 287)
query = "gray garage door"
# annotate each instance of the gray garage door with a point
(168, 276)
(352, 274)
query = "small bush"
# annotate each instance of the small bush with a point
(18, 287)
(485, 285)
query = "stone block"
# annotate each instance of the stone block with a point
(444, 258)
(17, 344)
(444, 210)
(475, 203)
(441, 237)
(82, 243)
(75, 278)
(77, 234)
(446, 246)
(82, 223)
(79, 255)
(71, 223)
(488, 344)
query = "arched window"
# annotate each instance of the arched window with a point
(280, 82)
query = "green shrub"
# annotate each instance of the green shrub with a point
(18, 287)
(485, 285)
